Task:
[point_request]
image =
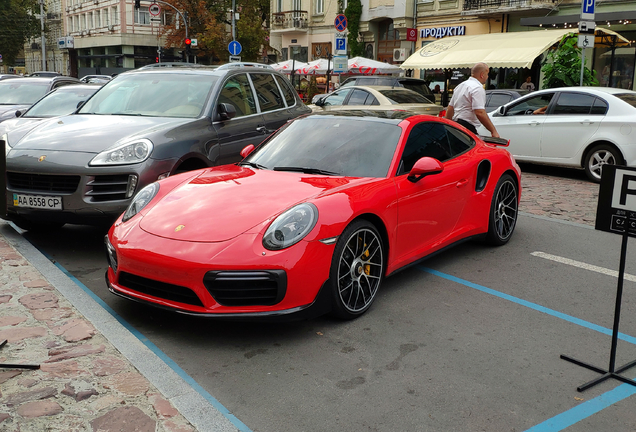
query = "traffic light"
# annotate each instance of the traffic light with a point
(188, 45)
(157, 59)
(137, 4)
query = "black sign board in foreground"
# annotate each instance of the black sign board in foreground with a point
(616, 213)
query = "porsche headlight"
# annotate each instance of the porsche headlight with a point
(124, 154)
(291, 227)
(141, 200)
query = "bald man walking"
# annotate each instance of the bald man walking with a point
(468, 105)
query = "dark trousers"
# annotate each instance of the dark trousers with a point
(467, 125)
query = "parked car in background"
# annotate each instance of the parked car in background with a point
(582, 127)
(58, 102)
(314, 218)
(375, 98)
(96, 79)
(415, 84)
(45, 74)
(145, 125)
(20, 94)
(499, 97)
(8, 76)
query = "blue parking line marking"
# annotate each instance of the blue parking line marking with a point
(152, 347)
(539, 308)
(579, 412)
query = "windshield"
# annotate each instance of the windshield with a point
(630, 98)
(61, 102)
(153, 95)
(353, 147)
(397, 96)
(15, 92)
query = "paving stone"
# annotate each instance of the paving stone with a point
(163, 408)
(19, 333)
(39, 409)
(130, 383)
(18, 398)
(55, 314)
(124, 419)
(4, 416)
(108, 365)
(64, 369)
(75, 330)
(11, 320)
(58, 354)
(5, 376)
(38, 283)
(41, 300)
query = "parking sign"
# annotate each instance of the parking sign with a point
(587, 10)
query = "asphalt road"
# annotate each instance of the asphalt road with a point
(467, 341)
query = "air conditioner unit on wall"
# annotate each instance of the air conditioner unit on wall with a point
(111, 27)
(399, 54)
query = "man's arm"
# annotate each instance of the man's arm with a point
(449, 112)
(485, 120)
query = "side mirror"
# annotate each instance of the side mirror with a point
(501, 110)
(18, 113)
(227, 111)
(80, 104)
(247, 150)
(423, 167)
(320, 102)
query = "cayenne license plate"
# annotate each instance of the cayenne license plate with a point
(44, 202)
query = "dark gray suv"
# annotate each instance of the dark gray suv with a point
(142, 126)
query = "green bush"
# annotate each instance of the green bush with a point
(562, 66)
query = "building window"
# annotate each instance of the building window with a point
(89, 23)
(320, 7)
(113, 16)
(297, 5)
(105, 17)
(70, 25)
(279, 5)
(142, 16)
(98, 22)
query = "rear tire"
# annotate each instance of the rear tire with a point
(503, 211)
(600, 155)
(357, 269)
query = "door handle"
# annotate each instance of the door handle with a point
(533, 123)
(262, 129)
(587, 122)
(462, 182)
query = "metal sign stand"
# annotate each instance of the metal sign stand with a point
(616, 213)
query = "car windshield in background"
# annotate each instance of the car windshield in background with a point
(404, 97)
(61, 102)
(17, 92)
(152, 95)
(627, 97)
(346, 146)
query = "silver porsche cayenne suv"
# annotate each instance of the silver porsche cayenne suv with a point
(144, 125)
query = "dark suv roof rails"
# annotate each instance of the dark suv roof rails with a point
(244, 64)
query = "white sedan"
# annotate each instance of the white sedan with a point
(375, 98)
(583, 127)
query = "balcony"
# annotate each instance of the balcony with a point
(290, 20)
(489, 6)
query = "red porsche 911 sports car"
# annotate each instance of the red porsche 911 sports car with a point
(314, 218)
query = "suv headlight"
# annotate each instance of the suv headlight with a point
(130, 153)
(141, 200)
(291, 227)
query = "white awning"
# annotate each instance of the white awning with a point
(506, 50)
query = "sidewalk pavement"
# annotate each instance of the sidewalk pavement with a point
(94, 374)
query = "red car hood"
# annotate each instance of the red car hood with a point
(227, 201)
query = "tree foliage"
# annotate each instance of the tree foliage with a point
(17, 24)
(562, 66)
(210, 23)
(353, 13)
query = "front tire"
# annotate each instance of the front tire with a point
(503, 211)
(357, 268)
(600, 155)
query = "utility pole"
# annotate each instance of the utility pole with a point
(43, 36)
(233, 20)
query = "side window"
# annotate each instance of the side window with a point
(267, 91)
(358, 97)
(459, 141)
(573, 103)
(287, 91)
(528, 106)
(599, 107)
(336, 98)
(371, 100)
(497, 100)
(237, 92)
(426, 139)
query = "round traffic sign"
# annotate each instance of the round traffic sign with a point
(154, 9)
(234, 48)
(340, 23)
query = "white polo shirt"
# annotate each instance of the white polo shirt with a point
(468, 96)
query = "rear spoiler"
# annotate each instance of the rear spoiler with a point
(496, 141)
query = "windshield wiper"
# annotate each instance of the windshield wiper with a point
(252, 164)
(306, 170)
(127, 114)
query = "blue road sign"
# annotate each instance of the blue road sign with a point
(341, 44)
(588, 9)
(340, 22)
(234, 48)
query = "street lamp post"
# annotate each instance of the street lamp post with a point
(43, 35)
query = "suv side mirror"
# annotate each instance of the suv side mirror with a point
(501, 110)
(80, 104)
(227, 111)
(18, 113)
